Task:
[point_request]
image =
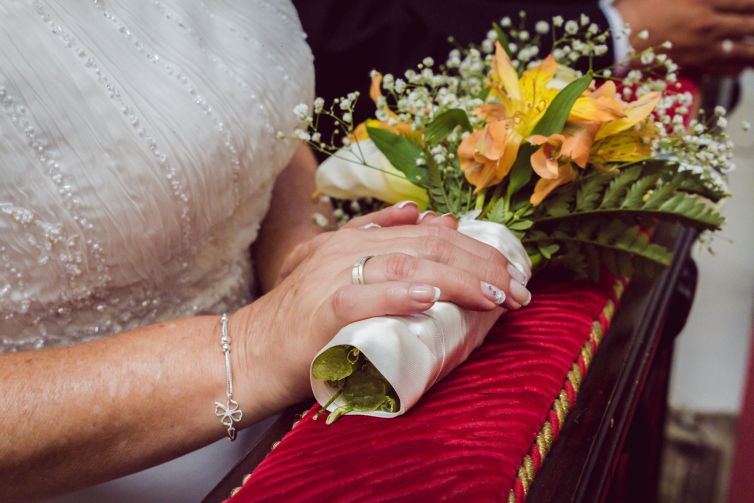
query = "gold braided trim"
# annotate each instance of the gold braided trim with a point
(544, 439)
(561, 405)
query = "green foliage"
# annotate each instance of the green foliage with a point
(361, 386)
(552, 122)
(447, 189)
(611, 243)
(333, 364)
(403, 153)
(502, 38)
(556, 115)
(444, 123)
(521, 172)
(637, 194)
(598, 217)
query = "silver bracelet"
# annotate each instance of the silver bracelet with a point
(229, 413)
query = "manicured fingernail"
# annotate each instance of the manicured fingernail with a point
(493, 293)
(447, 215)
(527, 301)
(516, 274)
(424, 293)
(403, 204)
(424, 214)
(519, 293)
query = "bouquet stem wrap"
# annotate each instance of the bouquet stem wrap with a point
(414, 352)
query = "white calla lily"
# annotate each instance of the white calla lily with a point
(344, 175)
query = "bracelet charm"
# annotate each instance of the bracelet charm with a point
(229, 413)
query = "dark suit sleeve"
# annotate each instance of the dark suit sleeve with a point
(351, 37)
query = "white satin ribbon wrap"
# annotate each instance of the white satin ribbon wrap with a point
(414, 352)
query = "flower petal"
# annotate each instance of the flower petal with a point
(344, 176)
(636, 112)
(544, 187)
(504, 72)
(579, 140)
(375, 91)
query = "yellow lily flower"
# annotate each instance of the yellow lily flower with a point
(629, 146)
(524, 100)
(600, 105)
(635, 112)
(487, 155)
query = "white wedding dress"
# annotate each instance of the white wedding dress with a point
(137, 157)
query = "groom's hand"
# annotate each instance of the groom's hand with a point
(708, 36)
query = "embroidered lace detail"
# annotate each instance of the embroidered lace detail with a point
(138, 159)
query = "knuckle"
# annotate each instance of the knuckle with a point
(341, 301)
(437, 248)
(495, 271)
(400, 266)
(437, 231)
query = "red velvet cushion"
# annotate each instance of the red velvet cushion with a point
(468, 435)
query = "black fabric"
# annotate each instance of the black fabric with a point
(351, 37)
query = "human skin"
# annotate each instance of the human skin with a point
(91, 412)
(697, 29)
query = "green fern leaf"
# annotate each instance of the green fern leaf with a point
(636, 192)
(590, 191)
(618, 186)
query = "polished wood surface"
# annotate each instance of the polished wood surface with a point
(624, 395)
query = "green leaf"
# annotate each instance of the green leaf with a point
(613, 244)
(446, 188)
(548, 251)
(590, 191)
(636, 192)
(333, 364)
(338, 413)
(521, 171)
(365, 392)
(618, 186)
(402, 153)
(695, 183)
(557, 113)
(360, 385)
(443, 124)
(559, 203)
(520, 225)
(498, 212)
(503, 39)
(551, 122)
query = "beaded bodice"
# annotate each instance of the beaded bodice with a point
(137, 157)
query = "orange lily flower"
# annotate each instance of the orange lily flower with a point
(486, 155)
(546, 162)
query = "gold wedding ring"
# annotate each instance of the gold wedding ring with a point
(357, 271)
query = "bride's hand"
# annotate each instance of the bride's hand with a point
(412, 264)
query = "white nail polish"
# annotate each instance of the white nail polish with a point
(516, 273)
(403, 204)
(424, 293)
(424, 214)
(528, 300)
(438, 292)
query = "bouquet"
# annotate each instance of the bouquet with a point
(575, 167)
